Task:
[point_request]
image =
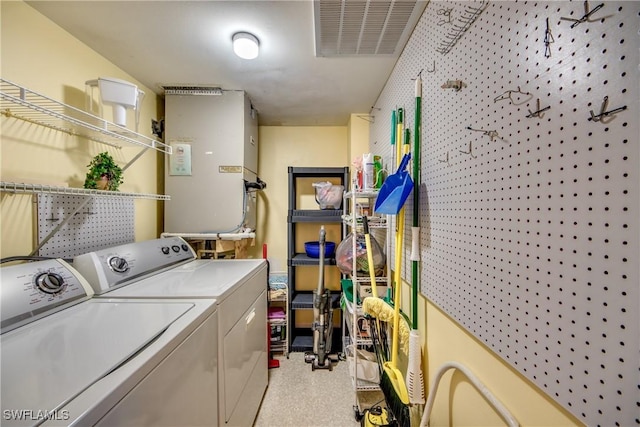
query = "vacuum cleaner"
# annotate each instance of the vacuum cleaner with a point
(321, 357)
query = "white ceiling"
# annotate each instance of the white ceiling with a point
(189, 42)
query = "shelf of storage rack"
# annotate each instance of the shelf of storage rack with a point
(278, 298)
(22, 188)
(359, 335)
(24, 104)
(361, 203)
(300, 297)
(360, 384)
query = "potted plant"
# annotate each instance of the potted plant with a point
(104, 173)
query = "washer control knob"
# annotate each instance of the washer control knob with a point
(185, 247)
(118, 264)
(165, 250)
(175, 248)
(50, 283)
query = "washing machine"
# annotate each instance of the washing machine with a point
(167, 268)
(69, 359)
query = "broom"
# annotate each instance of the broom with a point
(376, 307)
(392, 382)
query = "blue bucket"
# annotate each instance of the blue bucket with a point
(312, 249)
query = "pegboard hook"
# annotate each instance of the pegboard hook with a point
(586, 16)
(507, 95)
(603, 112)
(492, 134)
(470, 152)
(539, 112)
(548, 39)
(446, 160)
(454, 84)
(447, 15)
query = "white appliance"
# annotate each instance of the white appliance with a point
(71, 360)
(239, 287)
(121, 95)
(214, 139)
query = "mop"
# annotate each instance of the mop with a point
(415, 380)
(374, 416)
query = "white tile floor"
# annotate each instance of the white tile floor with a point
(298, 396)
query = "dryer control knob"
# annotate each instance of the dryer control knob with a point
(175, 248)
(185, 247)
(50, 283)
(165, 250)
(118, 264)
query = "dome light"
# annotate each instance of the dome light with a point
(246, 45)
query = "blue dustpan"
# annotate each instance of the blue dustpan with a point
(395, 190)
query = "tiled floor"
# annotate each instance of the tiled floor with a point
(298, 396)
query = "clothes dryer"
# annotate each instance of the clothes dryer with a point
(167, 268)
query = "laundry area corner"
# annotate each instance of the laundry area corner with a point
(319, 213)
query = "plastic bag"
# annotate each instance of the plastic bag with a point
(344, 256)
(328, 195)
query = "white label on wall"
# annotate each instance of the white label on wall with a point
(180, 160)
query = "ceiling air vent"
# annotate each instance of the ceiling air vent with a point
(364, 27)
(191, 90)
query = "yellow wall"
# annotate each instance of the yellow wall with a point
(457, 402)
(39, 55)
(358, 138)
(281, 147)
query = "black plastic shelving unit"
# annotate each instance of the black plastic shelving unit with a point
(301, 339)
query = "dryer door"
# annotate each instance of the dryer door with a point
(245, 364)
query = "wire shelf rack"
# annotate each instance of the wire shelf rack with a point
(22, 188)
(21, 103)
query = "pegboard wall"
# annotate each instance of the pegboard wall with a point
(104, 222)
(529, 193)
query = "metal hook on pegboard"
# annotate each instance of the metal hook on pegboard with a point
(586, 16)
(603, 112)
(492, 134)
(467, 19)
(446, 160)
(548, 39)
(434, 67)
(508, 95)
(447, 15)
(470, 152)
(454, 84)
(539, 112)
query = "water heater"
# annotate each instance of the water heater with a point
(214, 139)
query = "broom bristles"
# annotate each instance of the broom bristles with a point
(395, 405)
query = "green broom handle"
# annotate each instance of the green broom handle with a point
(416, 200)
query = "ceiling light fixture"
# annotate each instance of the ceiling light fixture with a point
(246, 45)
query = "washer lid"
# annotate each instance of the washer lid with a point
(47, 363)
(199, 279)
